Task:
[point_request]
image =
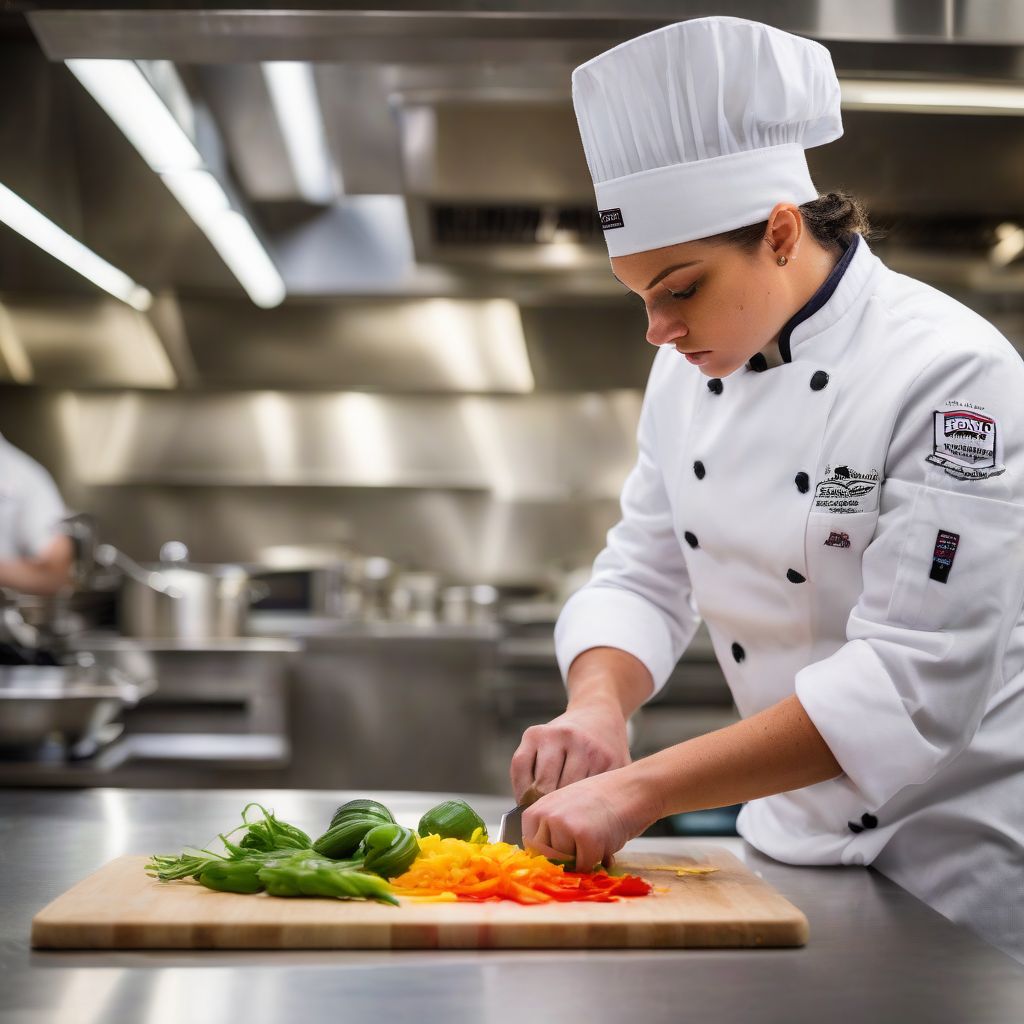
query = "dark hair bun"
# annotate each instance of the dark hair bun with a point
(834, 217)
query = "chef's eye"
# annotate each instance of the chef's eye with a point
(686, 294)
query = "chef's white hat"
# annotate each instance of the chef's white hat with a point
(701, 127)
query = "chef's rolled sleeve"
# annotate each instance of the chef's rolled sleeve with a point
(639, 596)
(943, 587)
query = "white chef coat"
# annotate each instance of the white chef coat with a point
(846, 514)
(30, 504)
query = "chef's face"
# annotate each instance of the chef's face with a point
(714, 302)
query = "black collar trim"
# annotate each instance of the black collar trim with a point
(817, 300)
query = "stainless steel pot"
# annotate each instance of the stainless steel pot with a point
(180, 601)
(469, 605)
(66, 702)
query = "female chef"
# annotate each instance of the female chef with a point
(830, 475)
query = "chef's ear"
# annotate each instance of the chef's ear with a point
(785, 230)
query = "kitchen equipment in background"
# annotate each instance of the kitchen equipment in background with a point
(68, 707)
(81, 528)
(375, 579)
(179, 600)
(464, 605)
(312, 579)
(414, 598)
(218, 716)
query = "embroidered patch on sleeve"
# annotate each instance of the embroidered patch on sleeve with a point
(965, 443)
(946, 544)
(846, 490)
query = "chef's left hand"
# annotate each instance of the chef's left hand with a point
(590, 820)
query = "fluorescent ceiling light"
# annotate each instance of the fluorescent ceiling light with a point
(934, 97)
(230, 233)
(40, 230)
(1008, 246)
(124, 92)
(294, 98)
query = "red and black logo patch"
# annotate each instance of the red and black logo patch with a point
(946, 544)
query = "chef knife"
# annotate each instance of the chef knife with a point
(511, 830)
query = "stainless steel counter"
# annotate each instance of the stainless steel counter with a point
(875, 954)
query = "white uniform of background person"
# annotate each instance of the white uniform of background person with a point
(846, 513)
(33, 554)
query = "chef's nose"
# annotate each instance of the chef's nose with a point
(662, 330)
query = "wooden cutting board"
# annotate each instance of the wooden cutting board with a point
(120, 907)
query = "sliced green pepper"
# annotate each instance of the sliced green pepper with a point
(233, 876)
(341, 840)
(451, 819)
(318, 876)
(361, 809)
(389, 850)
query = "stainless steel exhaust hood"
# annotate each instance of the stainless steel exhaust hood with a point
(464, 177)
(199, 32)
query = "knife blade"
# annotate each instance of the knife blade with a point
(511, 830)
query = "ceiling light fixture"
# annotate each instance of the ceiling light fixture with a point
(1008, 246)
(206, 202)
(124, 92)
(128, 97)
(293, 96)
(40, 230)
(932, 97)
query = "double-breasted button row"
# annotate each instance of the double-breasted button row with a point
(758, 363)
(866, 821)
(819, 381)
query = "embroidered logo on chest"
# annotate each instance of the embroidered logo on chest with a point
(846, 490)
(964, 443)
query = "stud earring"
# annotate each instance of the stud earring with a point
(782, 261)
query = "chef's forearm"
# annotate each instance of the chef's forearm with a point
(609, 676)
(45, 575)
(29, 577)
(774, 751)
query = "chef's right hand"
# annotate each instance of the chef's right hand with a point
(584, 740)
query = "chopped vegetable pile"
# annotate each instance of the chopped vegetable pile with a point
(457, 869)
(363, 848)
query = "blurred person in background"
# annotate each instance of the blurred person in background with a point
(35, 556)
